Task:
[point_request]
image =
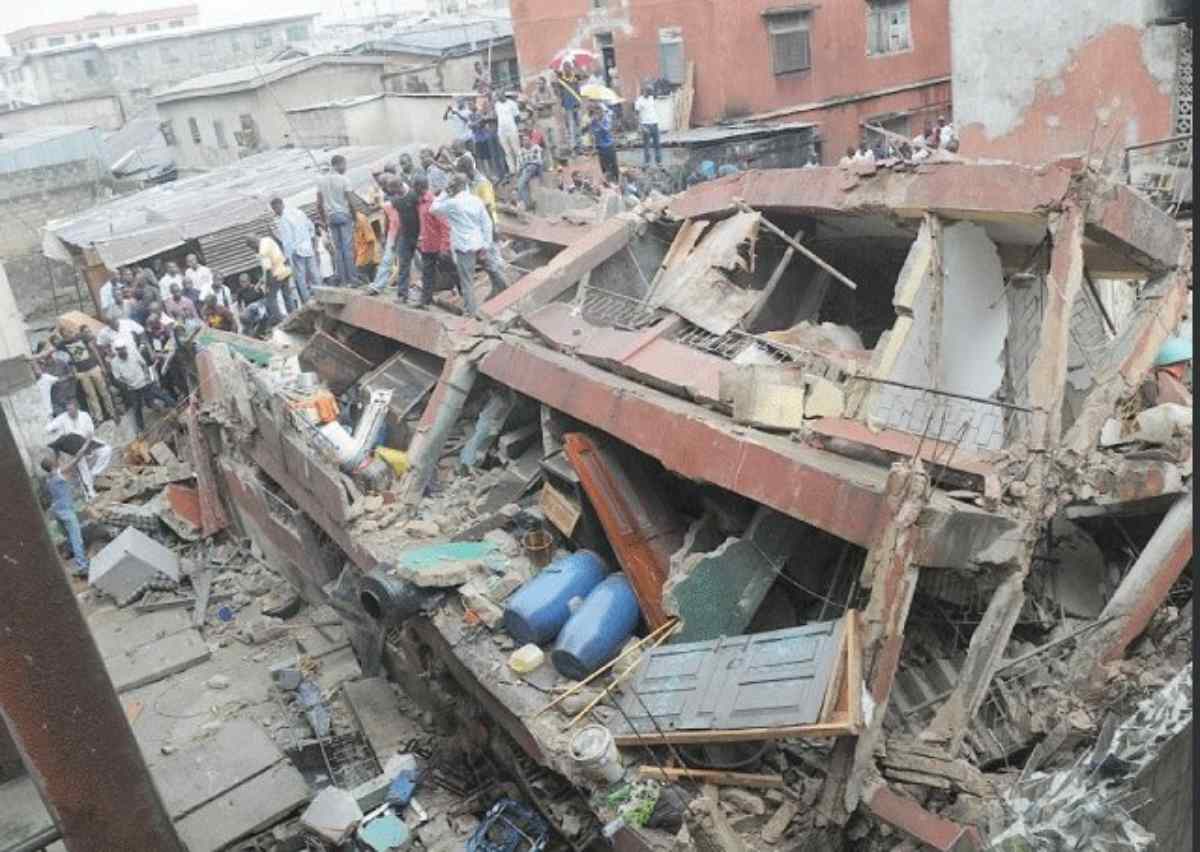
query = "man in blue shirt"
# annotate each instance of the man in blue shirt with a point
(298, 239)
(606, 149)
(62, 506)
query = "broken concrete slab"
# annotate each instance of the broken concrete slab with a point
(377, 711)
(150, 663)
(129, 564)
(448, 563)
(766, 396)
(248, 808)
(195, 776)
(717, 593)
(332, 815)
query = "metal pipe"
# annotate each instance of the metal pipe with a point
(55, 694)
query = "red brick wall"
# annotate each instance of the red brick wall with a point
(728, 41)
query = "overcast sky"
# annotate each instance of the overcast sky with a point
(21, 13)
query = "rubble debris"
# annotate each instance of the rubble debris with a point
(742, 570)
(715, 777)
(766, 396)
(332, 815)
(708, 828)
(131, 564)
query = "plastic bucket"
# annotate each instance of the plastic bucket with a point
(538, 547)
(595, 751)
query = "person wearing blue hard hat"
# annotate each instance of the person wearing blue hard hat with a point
(1170, 380)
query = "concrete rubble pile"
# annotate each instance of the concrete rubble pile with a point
(815, 509)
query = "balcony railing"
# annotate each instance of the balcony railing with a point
(1162, 171)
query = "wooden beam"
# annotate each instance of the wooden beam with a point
(839, 727)
(712, 776)
(807, 252)
(776, 276)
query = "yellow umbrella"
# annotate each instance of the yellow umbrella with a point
(596, 92)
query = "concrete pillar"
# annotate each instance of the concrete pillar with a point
(1142, 591)
(441, 413)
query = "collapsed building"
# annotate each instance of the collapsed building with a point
(865, 449)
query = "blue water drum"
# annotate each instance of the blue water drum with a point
(595, 633)
(538, 610)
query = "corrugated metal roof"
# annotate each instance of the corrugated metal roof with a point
(50, 146)
(443, 35)
(166, 216)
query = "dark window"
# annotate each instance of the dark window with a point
(887, 26)
(151, 27)
(168, 132)
(670, 54)
(130, 30)
(59, 40)
(89, 68)
(297, 32)
(194, 126)
(505, 74)
(219, 132)
(176, 24)
(262, 39)
(93, 35)
(790, 46)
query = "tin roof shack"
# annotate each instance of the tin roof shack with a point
(780, 360)
(755, 146)
(440, 55)
(210, 213)
(217, 118)
(384, 118)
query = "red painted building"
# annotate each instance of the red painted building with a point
(836, 64)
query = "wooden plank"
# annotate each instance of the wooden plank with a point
(377, 711)
(854, 680)
(839, 727)
(195, 776)
(258, 804)
(681, 246)
(833, 689)
(559, 509)
(712, 776)
(202, 583)
(173, 654)
(807, 252)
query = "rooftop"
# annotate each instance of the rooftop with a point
(166, 216)
(445, 35)
(253, 76)
(165, 35)
(104, 19)
(28, 138)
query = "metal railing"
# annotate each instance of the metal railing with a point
(1161, 170)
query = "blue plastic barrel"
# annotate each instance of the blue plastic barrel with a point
(595, 633)
(538, 610)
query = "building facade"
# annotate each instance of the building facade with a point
(136, 67)
(1104, 77)
(218, 118)
(100, 26)
(439, 55)
(838, 65)
(16, 84)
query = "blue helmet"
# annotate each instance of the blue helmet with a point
(1173, 351)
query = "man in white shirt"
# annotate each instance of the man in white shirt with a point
(507, 112)
(118, 328)
(171, 276)
(299, 238)
(135, 379)
(529, 162)
(109, 294)
(946, 132)
(96, 455)
(864, 154)
(470, 239)
(647, 114)
(198, 277)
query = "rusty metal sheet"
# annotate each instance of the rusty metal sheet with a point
(765, 680)
(697, 287)
(921, 825)
(641, 526)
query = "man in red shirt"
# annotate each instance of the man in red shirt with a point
(390, 186)
(433, 243)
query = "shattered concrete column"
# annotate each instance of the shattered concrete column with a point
(891, 575)
(1142, 591)
(1161, 306)
(1048, 372)
(1047, 380)
(441, 413)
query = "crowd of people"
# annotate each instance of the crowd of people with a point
(941, 135)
